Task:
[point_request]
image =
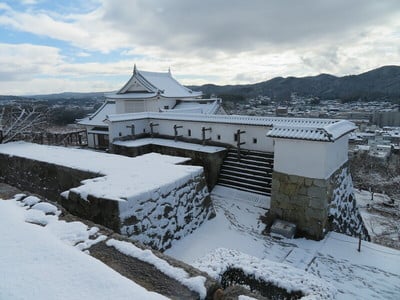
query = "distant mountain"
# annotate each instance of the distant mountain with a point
(380, 83)
(69, 95)
(377, 84)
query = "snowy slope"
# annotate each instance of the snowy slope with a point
(373, 273)
(39, 262)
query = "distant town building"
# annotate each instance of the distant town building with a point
(386, 118)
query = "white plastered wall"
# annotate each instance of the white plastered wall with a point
(311, 159)
(224, 131)
(123, 106)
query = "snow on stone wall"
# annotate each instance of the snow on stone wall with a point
(267, 272)
(166, 214)
(343, 214)
(152, 198)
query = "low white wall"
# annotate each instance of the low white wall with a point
(254, 137)
(310, 158)
(337, 154)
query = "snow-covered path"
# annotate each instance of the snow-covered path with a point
(373, 273)
(38, 263)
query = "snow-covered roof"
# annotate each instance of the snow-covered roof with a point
(98, 117)
(231, 119)
(145, 84)
(325, 133)
(326, 130)
(190, 107)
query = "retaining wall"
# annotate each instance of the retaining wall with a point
(155, 218)
(317, 205)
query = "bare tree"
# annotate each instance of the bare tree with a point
(21, 122)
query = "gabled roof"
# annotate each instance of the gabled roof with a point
(144, 85)
(98, 117)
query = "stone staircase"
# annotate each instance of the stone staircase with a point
(251, 173)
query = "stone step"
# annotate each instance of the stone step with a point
(248, 185)
(245, 170)
(252, 153)
(243, 165)
(244, 174)
(250, 158)
(252, 173)
(249, 161)
(241, 180)
(265, 192)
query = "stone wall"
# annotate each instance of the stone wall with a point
(156, 218)
(42, 178)
(317, 205)
(303, 201)
(159, 219)
(211, 162)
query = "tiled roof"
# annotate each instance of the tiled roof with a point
(293, 128)
(327, 133)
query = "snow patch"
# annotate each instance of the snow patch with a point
(47, 208)
(31, 200)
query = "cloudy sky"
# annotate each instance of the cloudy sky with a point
(51, 46)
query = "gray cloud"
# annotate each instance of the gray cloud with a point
(239, 25)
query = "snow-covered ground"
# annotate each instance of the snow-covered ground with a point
(381, 217)
(39, 262)
(373, 273)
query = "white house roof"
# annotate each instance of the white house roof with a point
(144, 85)
(294, 128)
(98, 117)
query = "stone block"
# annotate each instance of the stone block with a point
(317, 192)
(302, 191)
(318, 203)
(275, 184)
(313, 213)
(293, 178)
(282, 198)
(283, 228)
(308, 181)
(320, 183)
(291, 189)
